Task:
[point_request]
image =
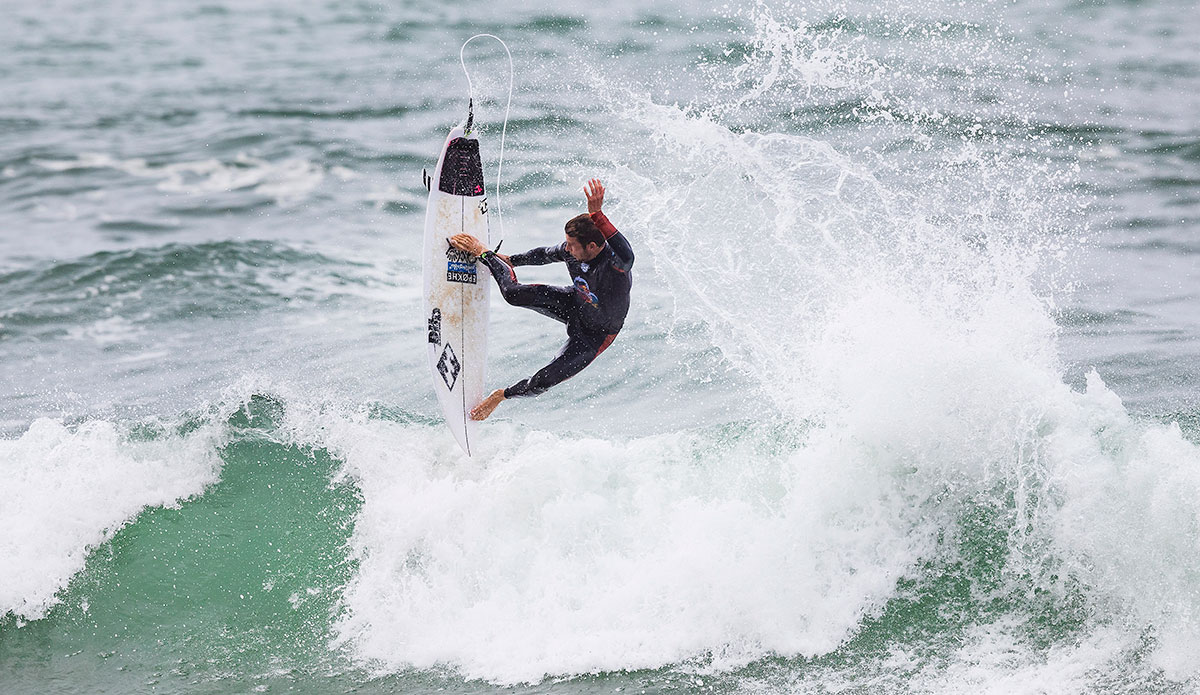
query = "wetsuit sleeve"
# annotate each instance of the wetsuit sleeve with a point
(622, 251)
(540, 256)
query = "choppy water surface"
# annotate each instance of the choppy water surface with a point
(906, 401)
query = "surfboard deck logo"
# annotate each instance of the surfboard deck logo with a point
(449, 367)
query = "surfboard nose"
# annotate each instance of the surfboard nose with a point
(462, 170)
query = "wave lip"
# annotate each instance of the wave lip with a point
(67, 490)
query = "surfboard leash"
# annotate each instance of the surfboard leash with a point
(471, 115)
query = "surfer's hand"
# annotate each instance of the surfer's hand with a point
(594, 190)
(468, 243)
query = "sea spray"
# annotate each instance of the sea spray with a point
(921, 347)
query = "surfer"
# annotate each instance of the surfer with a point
(593, 308)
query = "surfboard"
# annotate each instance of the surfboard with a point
(456, 286)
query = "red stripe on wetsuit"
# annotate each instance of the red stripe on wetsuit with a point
(606, 227)
(609, 231)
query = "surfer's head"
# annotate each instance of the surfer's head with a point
(584, 239)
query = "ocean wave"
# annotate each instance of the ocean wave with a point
(918, 504)
(285, 181)
(152, 284)
(911, 340)
(943, 530)
(68, 489)
(1006, 519)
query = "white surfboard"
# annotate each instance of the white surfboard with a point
(456, 286)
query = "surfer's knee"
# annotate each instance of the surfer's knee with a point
(516, 295)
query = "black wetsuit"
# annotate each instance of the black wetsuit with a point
(593, 309)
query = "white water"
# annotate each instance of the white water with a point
(574, 555)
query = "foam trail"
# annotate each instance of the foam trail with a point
(67, 490)
(1127, 520)
(820, 254)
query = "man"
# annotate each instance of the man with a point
(598, 258)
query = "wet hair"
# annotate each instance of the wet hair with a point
(584, 230)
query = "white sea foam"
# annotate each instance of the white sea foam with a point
(993, 659)
(106, 332)
(562, 555)
(1126, 519)
(286, 181)
(66, 490)
(565, 555)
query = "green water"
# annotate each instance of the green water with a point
(240, 581)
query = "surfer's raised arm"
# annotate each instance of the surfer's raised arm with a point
(622, 251)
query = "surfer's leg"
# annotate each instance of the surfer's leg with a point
(578, 353)
(555, 302)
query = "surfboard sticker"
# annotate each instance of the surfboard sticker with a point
(460, 266)
(449, 367)
(435, 326)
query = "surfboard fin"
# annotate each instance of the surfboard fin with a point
(427, 179)
(470, 116)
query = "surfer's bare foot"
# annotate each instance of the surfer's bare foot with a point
(468, 243)
(485, 408)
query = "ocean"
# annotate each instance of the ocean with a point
(907, 399)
